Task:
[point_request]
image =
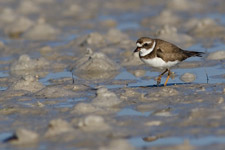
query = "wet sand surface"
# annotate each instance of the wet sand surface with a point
(69, 78)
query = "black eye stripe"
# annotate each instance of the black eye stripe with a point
(146, 44)
(143, 44)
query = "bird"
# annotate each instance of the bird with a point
(161, 54)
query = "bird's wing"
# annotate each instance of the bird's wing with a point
(171, 54)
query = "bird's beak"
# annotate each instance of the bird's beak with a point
(137, 49)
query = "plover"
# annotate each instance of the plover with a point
(161, 54)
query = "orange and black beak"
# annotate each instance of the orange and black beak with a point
(137, 49)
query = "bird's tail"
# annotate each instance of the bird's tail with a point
(193, 53)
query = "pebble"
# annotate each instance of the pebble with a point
(139, 73)
(153, 123)
(188, 77)
(39, 104)
(220, 100)
(150, 138)
(163, 114)
(218, 55)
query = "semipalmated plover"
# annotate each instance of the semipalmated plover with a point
(161, 54)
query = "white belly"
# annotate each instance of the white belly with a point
(159, 63)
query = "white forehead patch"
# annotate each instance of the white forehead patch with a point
(149, 42)
(139, 45)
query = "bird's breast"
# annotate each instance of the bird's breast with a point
(159, 62)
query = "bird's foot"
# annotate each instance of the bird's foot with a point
(158, 80)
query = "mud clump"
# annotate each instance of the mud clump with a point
(26, 63)
(16, 29)
(160, 94)
(85, 108)
(57, 127)
(93, 123)
(207, 28)
(105, 98)
(54, 92)
(96, 62)
(41, 31)
(115, 36)
(132, 59)
(27, 83)
(13, 24)
(105, 102)
(95, 66)
(97, 40)
(170, 33)
(165, 17)
(23, 137)
(28, 7)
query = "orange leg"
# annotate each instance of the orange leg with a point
(160, 76)
(167, 77)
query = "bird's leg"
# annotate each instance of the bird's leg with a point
(169, 73)
(160, 76)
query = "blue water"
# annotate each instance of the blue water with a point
(56, 75)
(5, 135)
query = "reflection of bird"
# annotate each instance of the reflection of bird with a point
(162, 54)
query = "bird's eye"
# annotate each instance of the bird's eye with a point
(146, 44)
